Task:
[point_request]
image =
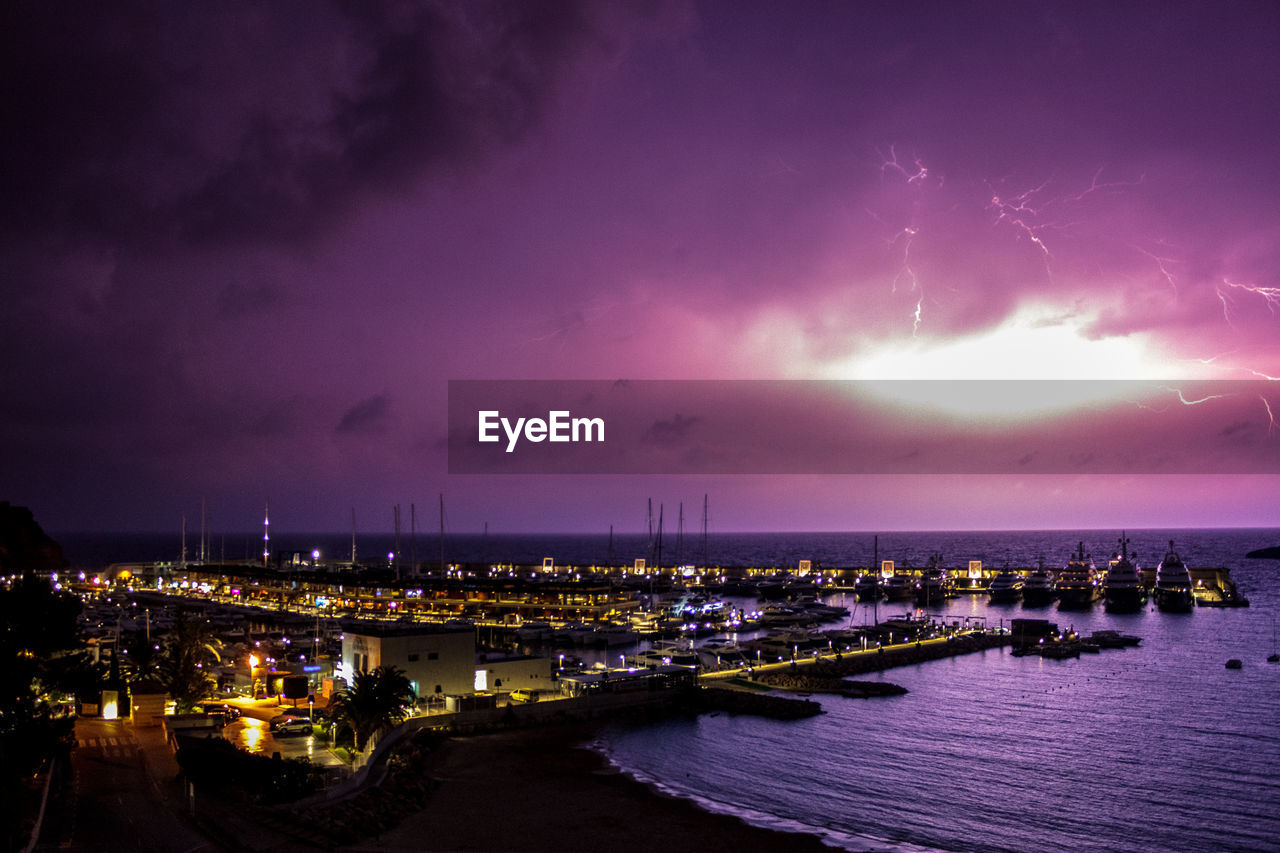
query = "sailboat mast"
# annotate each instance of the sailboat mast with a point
(442, 533)
(396, 514)
(650, 521)
(659, 542)
(353, 537)
(266, 532)
(704, 531)
(413, 541)
(680, 536)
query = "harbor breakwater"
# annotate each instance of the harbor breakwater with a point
(828, 674)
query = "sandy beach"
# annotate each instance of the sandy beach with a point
(537, 791)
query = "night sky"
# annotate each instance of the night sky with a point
(245, 246)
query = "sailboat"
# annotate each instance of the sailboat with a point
(1274, 657)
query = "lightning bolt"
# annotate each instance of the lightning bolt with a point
(1226, 314)
(1029, 213)
(891, 162)
(1160, 265)
(1187, 402)
(1271, 418)
(1270, 296)
(916, 176)
(909, 234)
(1095, 186)
(1018, 212)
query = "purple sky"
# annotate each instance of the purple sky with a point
(245, 248)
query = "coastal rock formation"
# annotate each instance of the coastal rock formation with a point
(23, 545)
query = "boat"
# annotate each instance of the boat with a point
(1040, 588)
(1173, 584)
(1006, 587)
(1108, 639)
(533, 631)
(1123, 587)
(898, 587)
(1078, 584)
(771, 590)
(867, 587)
(1235, 663)
(609, 634)
(934, 586)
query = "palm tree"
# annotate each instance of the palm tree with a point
(374, 701)
(189, 653)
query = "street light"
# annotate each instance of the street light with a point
(253, 680)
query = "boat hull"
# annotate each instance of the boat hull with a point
(1074, 598)
(1125, 600)
(1175, 600)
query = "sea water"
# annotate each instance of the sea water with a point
(1154, 748)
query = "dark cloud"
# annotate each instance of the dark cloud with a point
(238, 122)
(366, 416)
(238, 300)
(672, 430)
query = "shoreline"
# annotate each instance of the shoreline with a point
(545, 790)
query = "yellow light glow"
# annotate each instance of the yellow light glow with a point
(1034, 344)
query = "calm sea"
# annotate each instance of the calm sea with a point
(1158, 748)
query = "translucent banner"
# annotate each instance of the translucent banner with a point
(862, 427)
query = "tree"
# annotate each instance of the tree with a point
(190, 649)
(38, 640)
(374, 701)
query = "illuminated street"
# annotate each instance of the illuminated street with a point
(254, 736)
(110, 802)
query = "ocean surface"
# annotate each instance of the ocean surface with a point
(1155, 748)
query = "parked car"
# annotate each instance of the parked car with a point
(524, 696)
(229, 713)
(284, 726)
(316, 714)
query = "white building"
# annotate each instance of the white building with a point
(436, 660)
(499, 673)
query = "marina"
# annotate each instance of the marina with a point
(1097, 692)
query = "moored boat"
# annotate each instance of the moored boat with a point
(1173, 584)
(1123, 585)
(1078, 583)
(1006, 587)
(867, 587)
(934, 586)
(898, 587)
(1040, 588)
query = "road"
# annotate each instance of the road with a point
(253, 735)
(108, 802)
